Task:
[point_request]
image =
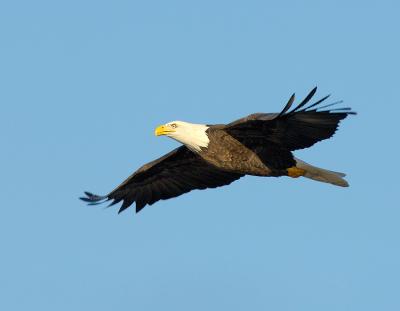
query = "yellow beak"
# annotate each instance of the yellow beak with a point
(162, 130)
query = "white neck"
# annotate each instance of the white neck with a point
(194, 136)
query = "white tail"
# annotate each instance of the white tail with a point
(320, 174)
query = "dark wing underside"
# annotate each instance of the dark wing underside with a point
(274, 135)
(175, 173)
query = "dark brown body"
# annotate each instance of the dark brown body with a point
(225, 152)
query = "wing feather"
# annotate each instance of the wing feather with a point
(305, 100)
(299, 128)
(288, 105)
(176, 173)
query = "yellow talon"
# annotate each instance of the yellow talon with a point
(295, 172)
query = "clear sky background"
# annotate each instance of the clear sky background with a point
(83, 85)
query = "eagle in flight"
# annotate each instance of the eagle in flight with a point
(211, 156)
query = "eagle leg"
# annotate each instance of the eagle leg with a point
(295, 172)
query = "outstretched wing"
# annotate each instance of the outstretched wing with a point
(175, 173)
(299, 128)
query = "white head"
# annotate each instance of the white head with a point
(194, 136)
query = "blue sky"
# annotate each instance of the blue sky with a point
(84, 83)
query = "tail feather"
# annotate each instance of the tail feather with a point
(320, 174)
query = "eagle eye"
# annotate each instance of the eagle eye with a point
(174, 125)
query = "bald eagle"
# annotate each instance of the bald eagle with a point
(211, 156)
